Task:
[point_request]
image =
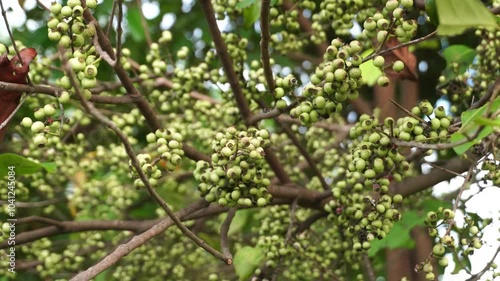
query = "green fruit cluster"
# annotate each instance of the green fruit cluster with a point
(391, 21)
(168, 147)
(236, 175)
(333, 82)
(68, 27)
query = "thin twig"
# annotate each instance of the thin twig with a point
(370, 273)
(264, 44)
(135, 163)
(119, 32)
(444, 169)
(39, 204)
(7, 120)
(41, 4)
(418, 40)
(224, 229)
(478, 275)
(111, 18)
(4, 15)
(232, 78)
(144, 23)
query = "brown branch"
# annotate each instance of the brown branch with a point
(367, 264)
(264, 44)
(478, 275)
(418, 40)
(232, 78)
(135, 163)
(136, 242)
(435, 176)
(224, 229)
(39, 204)
(119, 31)
(254, 119)
(224, 57)
(303, 151)
(4, 15)
(141, 103)
(60, 227)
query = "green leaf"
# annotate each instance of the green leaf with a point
(50, 167)
(457, 54)
(245, 3)
(251, 14)
(472, 120)
(134, 25)
(273, 2)
(459, 261)
(370, 73)
(246, 260)
(23, 166)
(455, 18)
(399, 237)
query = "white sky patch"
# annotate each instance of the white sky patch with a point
(150, 9)
(167, 21)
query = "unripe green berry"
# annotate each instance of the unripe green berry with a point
(438, 250)
(378, 61)
(90, 71)
(443, 261)
(398, 66)
(49, 110)
(37, 126)
(26, 122)
(383, 81)
(473, 230)
(39, 140)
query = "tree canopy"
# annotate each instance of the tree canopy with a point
(247, 139)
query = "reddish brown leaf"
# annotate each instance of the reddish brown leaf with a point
(13, 71)
(403, 54)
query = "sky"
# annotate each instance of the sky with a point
(485, 204)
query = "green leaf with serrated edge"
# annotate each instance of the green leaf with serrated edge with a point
(470, 126)
(399, 236)
(251, 14)
(135, 25)
(246, 260)
(455, 18)
(245, 3)
(22, 165)
(370, 73)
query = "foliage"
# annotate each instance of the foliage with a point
(238, 140)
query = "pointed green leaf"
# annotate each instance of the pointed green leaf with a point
(246, 260)
(50, 167)
(23, 166)
(455, 17)
(470, 126)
